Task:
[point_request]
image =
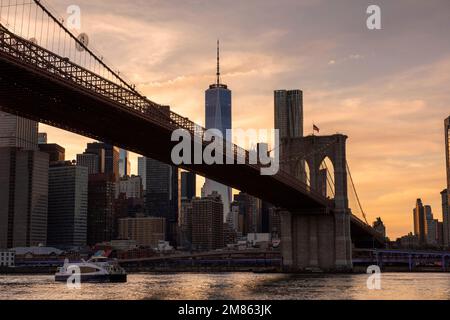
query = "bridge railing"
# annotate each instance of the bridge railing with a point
(31, 54)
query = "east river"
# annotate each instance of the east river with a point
(202, 286)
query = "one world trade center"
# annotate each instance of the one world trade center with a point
(218, 116)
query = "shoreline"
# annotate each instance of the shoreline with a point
(50, 271)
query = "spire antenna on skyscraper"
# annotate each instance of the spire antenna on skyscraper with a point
(218, 63)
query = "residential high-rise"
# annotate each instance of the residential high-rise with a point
(445, 218)
(56, 152)
(233, 217)
(146, 231)
(432, 226)
(440, 233)
(130, 186)
(289, 113)
(23, 197)
(142, 171)
(185, 222)
(275, 223)
(18, 132)
(188, 185)
(218, 116)
(101, 192)
(124, 163)
(126, 208)
(162, 195)
(420, 222)
(250, 211)
(207, 223)
(379, 226)
(67, 205)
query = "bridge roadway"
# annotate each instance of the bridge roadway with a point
(40, 85)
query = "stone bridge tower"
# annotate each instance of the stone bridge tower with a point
(317, 239)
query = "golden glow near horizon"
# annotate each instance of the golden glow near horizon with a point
(380, 87)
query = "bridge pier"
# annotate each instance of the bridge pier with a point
(315, 242)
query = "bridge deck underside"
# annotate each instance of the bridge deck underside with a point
(30, 93)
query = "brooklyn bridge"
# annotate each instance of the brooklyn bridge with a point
(50, 75)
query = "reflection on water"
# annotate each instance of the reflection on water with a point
(234, 286)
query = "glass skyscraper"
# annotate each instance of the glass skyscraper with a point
(67, 205)
(218, 116)
(162, 194)
(142, 171)
(124, 163)
(188, 185)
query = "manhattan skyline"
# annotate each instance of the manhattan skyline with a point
(389, 96)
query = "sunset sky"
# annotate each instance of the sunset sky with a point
(388, 89)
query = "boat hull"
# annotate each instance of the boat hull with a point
(100, 278)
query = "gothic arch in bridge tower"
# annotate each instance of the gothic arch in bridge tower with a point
(315, 239)
(311, 152)
(302, 172)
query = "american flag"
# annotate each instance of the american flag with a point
(316, 128)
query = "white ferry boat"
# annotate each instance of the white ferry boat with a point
(96, 269)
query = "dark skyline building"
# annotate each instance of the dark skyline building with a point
(112, 155)
(379, 226)
(90, 161)
(250, 213)
(446, 211)
(67, 205)
(218, 116)
(420, 222)
(97, 149)
(207, 223)
(447, 150)
(124, 163)
(24, 184)
(188, 185)
(162, 195)
(56, 152)
(101, 194)
(109, 161)
(142, 171)
(432, 226)
(289, 113)
(185, 223)
(265, 216)
(445, 218)
(42, 138)
(18, 132)
(23, 197)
